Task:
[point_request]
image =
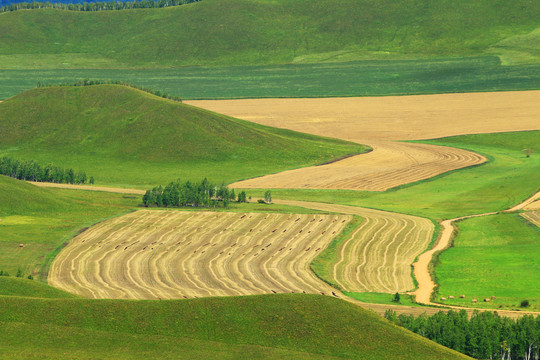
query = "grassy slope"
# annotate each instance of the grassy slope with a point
(287, 323)
(12, 286)
(506, 180)
(43, 219)
(497, 255)
(263, 31)
(126, 137)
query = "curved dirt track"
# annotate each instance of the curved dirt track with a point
(377, 256)
(151, 254)
(377, 122)
(421, 267)
(88, 187)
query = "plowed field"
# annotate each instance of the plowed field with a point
(532, 216)
(377, 122)
(174, 254)
(378, 255)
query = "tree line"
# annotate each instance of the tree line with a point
(30, 170)
(96, 6)
(88, 82)
(192, 194)
(485, 335)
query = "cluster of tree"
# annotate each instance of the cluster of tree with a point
(19, 274)
(88, 82)
(485, 335)
(184, 194)
(95, 6)
(29, 170)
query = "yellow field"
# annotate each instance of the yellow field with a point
(174, 254)
(532, 216)
(378, 255)
(379, 122)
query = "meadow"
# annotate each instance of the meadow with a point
(494, 255)
(355, 78)
(508, 178)
(258, 327)
(79, 127)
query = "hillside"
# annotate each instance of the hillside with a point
(128, 137)
(233, 32)
(268, 326)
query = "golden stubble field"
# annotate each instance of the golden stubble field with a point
(379, 122)
(151, 254)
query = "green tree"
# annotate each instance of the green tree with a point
(268, 197)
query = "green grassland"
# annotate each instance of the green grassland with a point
(43, 219)
(236, 32)
(356, 78)
(382, 298)
(506, 180)
(129, 138)
(12, 286)
(495, 255)
(267, 326)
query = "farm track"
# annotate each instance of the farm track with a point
(377, 256)
(173, 254)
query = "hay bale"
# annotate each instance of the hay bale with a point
(474, 300)
(21, 245)
(443, 298)
(462, 296)
(493, 298)
(487, 300)
(451, 297)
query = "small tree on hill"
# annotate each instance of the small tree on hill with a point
(268, 197)
(397, 298)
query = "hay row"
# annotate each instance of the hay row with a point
(172, 254)
(378, 255)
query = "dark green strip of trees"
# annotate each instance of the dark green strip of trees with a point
(29, 170)
(188, 194)
(88, 82)
(97, 6)
(486, 335)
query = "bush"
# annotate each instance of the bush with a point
(525, 303)
(261, 201)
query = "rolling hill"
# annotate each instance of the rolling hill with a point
(124, 136)
(234, 32)
(256, 327)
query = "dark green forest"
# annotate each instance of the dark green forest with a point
(191, 194)
(32, 171)
(485, 335)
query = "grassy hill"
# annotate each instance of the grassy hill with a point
(124, 136)
(269, 326)
(233, 32)
(43, 219)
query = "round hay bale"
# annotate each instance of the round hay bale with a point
(493, 298)
(487, 300)
(443, 298)
(451, 297)
(462, 296)
(21, 245)
(474, 300)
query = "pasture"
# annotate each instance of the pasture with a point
(151, 254)
(493, 255)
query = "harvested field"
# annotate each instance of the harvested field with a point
(378, 255)
(390, 164)
(391, 117)
(532, 216)
(377, 122)
(174, 254)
